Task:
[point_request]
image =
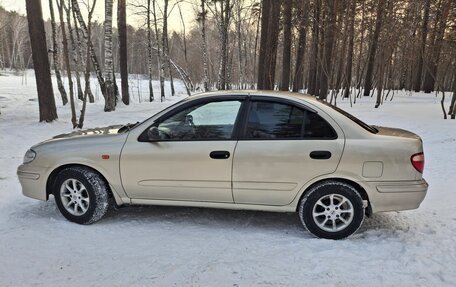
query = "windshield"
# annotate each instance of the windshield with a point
(351, 117)
(129, 127)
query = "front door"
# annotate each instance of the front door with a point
(283, 147)
(191, 161)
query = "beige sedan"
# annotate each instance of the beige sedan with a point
(253, 150)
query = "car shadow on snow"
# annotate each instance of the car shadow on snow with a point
(222, 219)
(208, 218)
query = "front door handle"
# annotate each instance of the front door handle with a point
(220, 154)
(320, 154)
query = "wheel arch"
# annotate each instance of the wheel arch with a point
(362, 192)
(53, 176)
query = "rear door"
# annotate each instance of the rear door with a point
(193, 159)
(283, 146)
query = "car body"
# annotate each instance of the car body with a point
(255, 150)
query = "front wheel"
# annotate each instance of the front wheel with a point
(332, 210)
(81, 195)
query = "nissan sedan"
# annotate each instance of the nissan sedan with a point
(269, 151)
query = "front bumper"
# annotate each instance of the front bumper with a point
(396, 195)
(33, 181)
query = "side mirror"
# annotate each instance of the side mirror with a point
(153, 134)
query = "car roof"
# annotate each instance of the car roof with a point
(276, 94)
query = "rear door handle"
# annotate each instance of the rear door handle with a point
(220, 154)
(320, 154)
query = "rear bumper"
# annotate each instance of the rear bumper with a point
(33, 181)
(395, 196)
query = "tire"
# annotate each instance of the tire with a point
(81, 195)
(325, 210)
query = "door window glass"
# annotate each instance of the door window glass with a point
(272, 120)
(208, 121)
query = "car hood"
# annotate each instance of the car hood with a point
(94, 132)
(99, 136)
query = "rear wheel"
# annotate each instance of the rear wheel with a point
(332, 210)
(81, 195)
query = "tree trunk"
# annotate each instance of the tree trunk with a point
(87, 69)
(424, 31)
(160, 57)
(314, 50)
(380, 79)
(361, 65)
(46, 101)
(268, 44)
(452, 109)
(432, 65)
(373, 49)
(66, 56)
(240, 44)
(149, 52)
(286, 54)
(165, 46)
(81, 53)
(223, 24)
(93, 56)
(108, 73)
(122, 30)
(55, 57)
(330, 20)
(204, 46)
(75, 53)
(265, 15)
(298, 79)
(351, 35)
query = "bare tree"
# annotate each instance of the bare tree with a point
(268, 44)
(81, 51)
(74, 51)
(349, 64)
(328, 47)
(93, 55)
(452, 109)
(66, 56)
(110, 101)
(87, 66)
(202, 20)
(160, 56)
(55, 57)
(165, 46)
(240, 42)
(286, 52)
(122, 29)
(312, 81)
(430, 76)
(46, 102)
(421, 54)
(298, 79)
(373, 49)
(222, 12)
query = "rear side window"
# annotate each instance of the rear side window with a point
(272, 120)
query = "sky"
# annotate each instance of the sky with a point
(174, 22)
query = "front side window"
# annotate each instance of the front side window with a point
(208, 121)
(273, 120)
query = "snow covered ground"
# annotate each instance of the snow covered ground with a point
(175, 246)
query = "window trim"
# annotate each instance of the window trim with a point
(202, 101)
(248, 103)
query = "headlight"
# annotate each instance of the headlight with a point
(29, 156)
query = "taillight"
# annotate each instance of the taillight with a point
(418, 161)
